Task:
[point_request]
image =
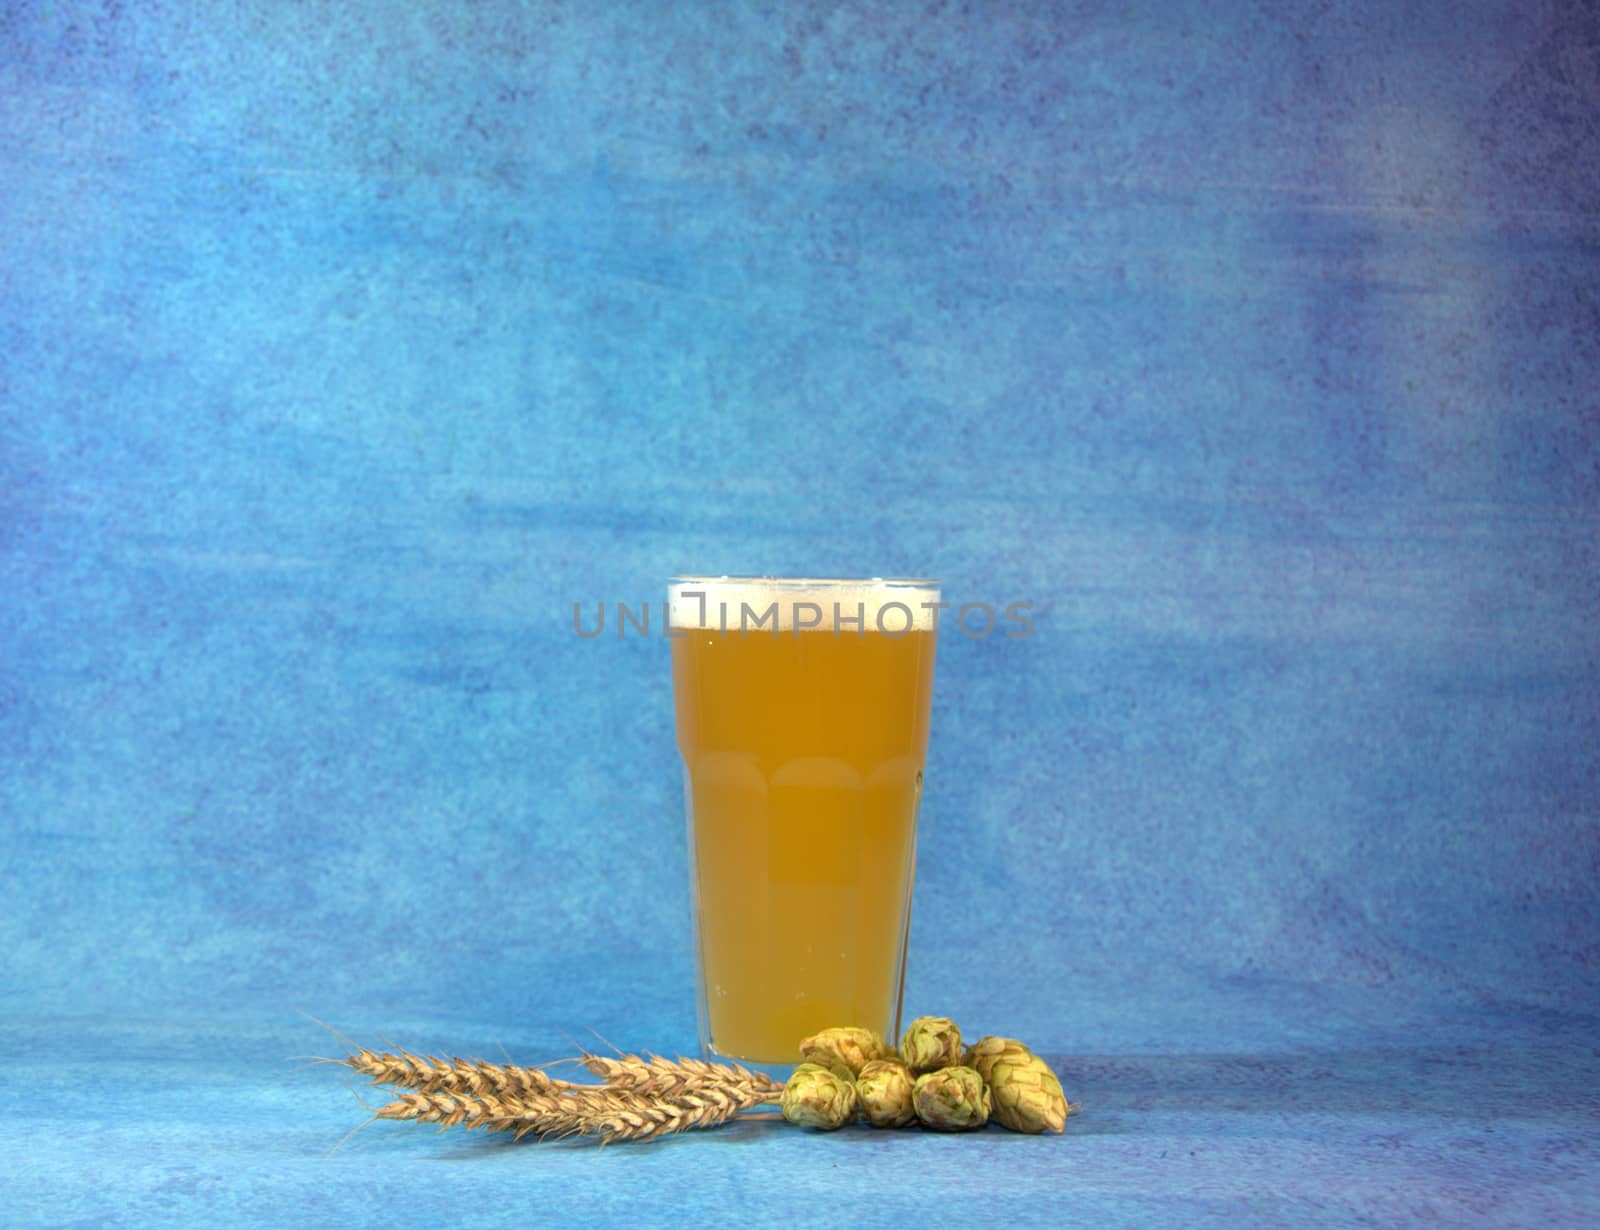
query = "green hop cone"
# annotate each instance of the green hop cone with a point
(818, 1098)
(884, 1088)
(931, 1043)
(1026, 1095)
(987, 1051)
(951, 1099)
(846, 1048)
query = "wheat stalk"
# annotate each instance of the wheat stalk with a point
(643, 1097)
(493, 1113)
(429, 1074)
(611, 1114)
(644, 1075)
(633, 1117)
(656, 1075)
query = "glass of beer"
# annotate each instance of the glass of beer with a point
(802, 713)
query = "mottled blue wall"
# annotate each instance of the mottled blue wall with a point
(344, 346)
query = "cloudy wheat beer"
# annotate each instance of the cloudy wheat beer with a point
(802, 712)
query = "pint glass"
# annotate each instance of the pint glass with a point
(802, 716)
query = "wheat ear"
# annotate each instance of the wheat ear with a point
(611, 1114)
(489, 1112)
(654, 1075)
(633, 1117)
(644, 1075)
(429, 1074)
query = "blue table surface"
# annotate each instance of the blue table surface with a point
(1475, 1118)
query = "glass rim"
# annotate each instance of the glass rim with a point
(806, 582)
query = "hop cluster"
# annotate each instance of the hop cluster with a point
(933, 1081)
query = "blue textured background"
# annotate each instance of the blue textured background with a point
(344, 347)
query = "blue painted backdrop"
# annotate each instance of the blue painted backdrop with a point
(343, 347)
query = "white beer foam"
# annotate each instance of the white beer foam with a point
(805, 603)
